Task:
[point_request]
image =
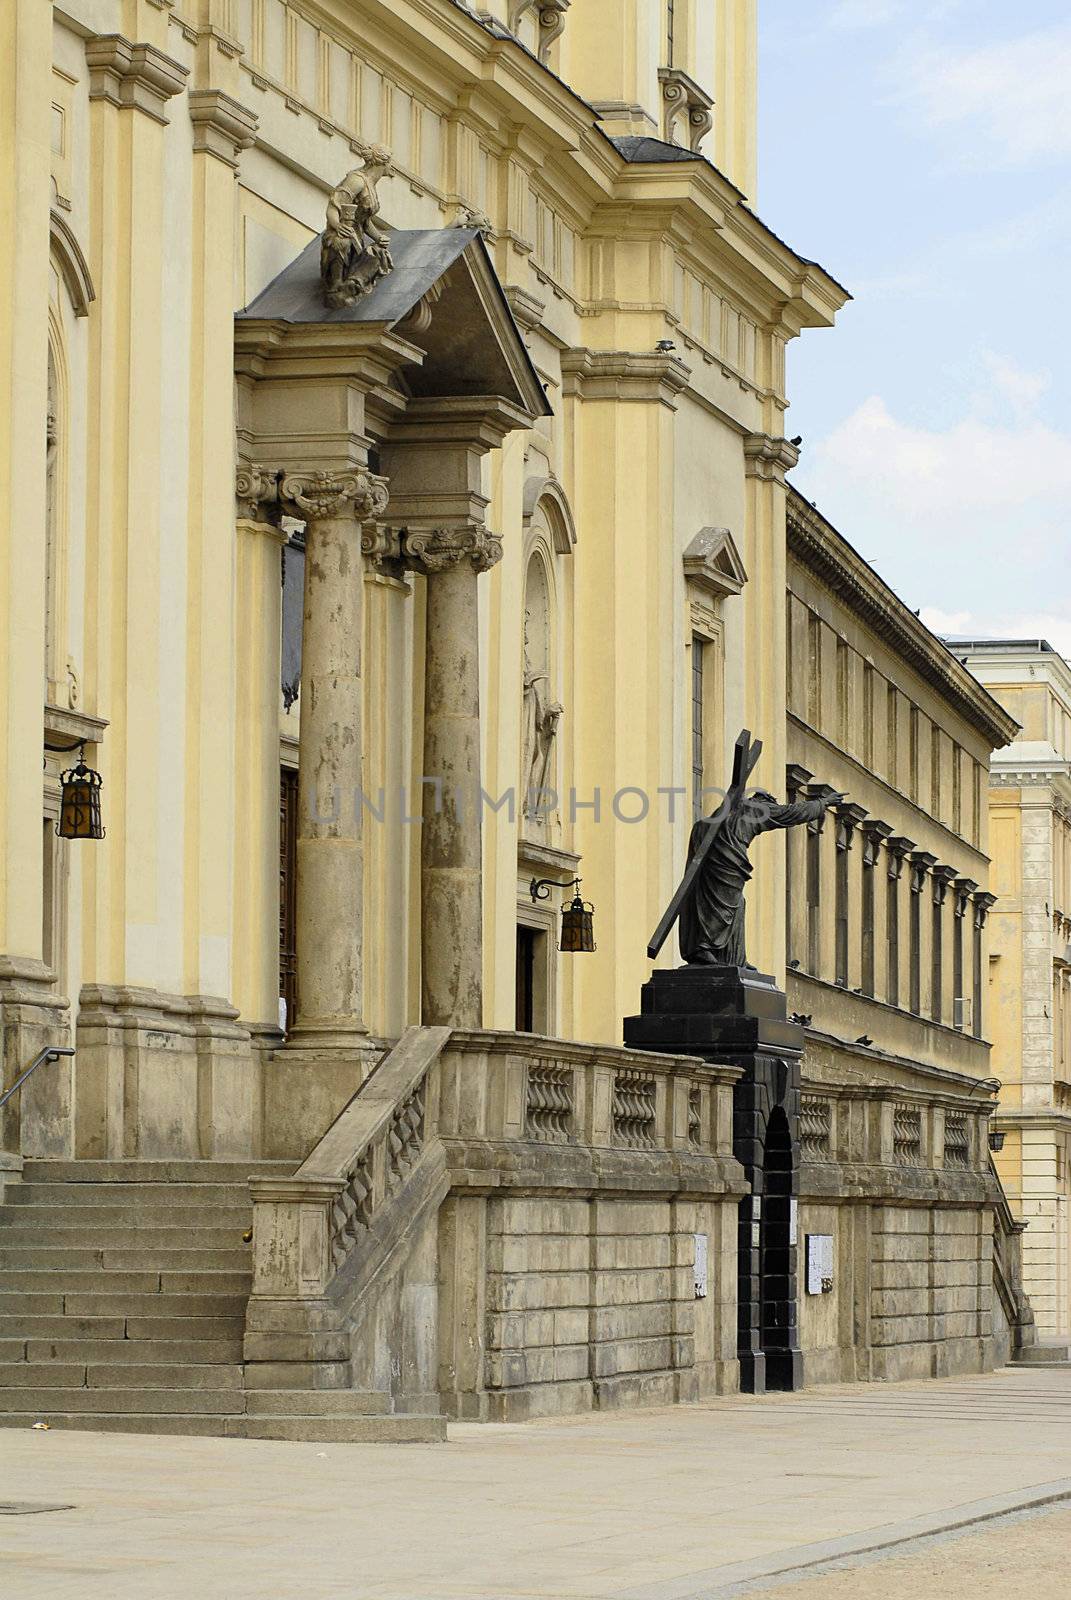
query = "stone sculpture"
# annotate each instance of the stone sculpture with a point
(354, 249)
(710, 900)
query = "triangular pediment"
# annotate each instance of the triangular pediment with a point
(713, 562)
(443, 295)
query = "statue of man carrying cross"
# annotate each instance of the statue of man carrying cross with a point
(709, 902)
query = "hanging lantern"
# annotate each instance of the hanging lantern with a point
(578, 924)
(578, 917)
(79, 816)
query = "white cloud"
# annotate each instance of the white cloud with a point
(972, 466)
(1006, 101)
(971, 519)
(864, 13)
(1054, 627)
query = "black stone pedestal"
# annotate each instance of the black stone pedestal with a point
(738, 1016)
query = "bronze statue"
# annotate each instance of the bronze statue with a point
(710, 899)
(354, 249)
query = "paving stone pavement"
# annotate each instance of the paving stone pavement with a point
(743, 1495)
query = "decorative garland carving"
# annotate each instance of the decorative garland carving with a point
(431, 550)
(320, 495)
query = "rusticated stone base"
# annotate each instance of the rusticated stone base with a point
(37, 1120)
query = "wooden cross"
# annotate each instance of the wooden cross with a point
(745, 757)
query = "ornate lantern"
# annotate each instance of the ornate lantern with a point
(578, 917)
(79, 816)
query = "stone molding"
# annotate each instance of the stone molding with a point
(324, 496)
(713, 563)
(562, 525)
(133, 76)
(430, 550)
(824, 552)
(768, 458)
(134, 1007)
(73, 266)
(682, 97)
(550, 21)
(527, 308)
(624, 375)
(222, 126)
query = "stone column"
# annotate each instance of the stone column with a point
(330, 854)
(451, 868)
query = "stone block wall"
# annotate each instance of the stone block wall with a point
(931, 1290)
(592, 1303)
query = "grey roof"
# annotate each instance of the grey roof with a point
(638, 147)
(420, 255)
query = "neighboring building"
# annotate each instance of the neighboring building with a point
(1030, 955)
(514, 522)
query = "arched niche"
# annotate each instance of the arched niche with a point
(543, 494)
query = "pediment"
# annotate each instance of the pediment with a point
(443, 295)
(713, 562)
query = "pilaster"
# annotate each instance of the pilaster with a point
(766, 460)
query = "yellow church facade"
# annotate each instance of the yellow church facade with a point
(408, 635)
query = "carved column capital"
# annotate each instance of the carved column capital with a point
(431, 550)
(133, 76)
(316, 496)
(222, 126)
(254, 486)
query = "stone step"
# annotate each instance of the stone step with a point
(204, 1425)
(45, 1170)
(113, 1236)
(317, 1403)
(66, 1283)
(231, 1217)
(63, 1327)
(42, 1374)
(185, 1328)
(18, 1258)
(12, 1349)
(30, 1305)
(158, 1375)
(341, 1430)
(45, 1400)
(118, 1352)
(91, 1303)
(200, 1283)
(132, 1195)
(1046, 1353)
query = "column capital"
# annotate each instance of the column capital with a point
(964, 888)
(133, 76)
(254, 486)
(768, 458)
(897, 849)
(431, 550)
(849, 816)
(222, 126)
(942, 877)
(323, 495)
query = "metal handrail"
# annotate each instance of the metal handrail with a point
(51, 1053)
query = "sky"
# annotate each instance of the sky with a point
(921, 151)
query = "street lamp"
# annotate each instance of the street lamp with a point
(578, 917)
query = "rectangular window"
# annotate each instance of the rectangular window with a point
(288, 814)
(841, 909)
(937, 957)
(870, 857)
(913, 755)
(698, 724)
(892, 933)
(814, 670)
(935, 773)
(957, 789)
(957, 949)
(814, 882)
(915, 945)
(977, 976)
(843, 694)
(892, 735)
(868, 715)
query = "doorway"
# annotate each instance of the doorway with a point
(531, 988)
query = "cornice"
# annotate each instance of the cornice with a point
(222, 126)
(828, 555)
(133, 76)
(624, 375)
(768, 458)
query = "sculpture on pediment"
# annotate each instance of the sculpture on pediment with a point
(354, 249)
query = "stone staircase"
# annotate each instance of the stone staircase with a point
(123, 1290)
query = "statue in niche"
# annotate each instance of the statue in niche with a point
(354, 249)
(541, 718)
(710, 899)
